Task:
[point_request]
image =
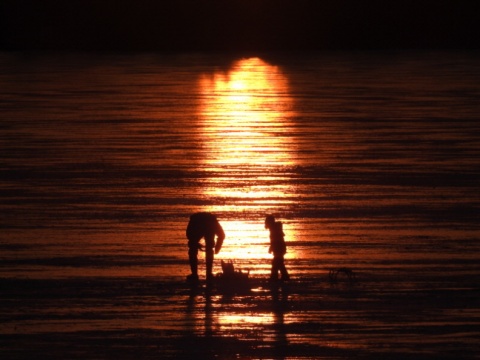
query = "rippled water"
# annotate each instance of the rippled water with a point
(370, 160)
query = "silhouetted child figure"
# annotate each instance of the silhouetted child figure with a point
(277, 247)
(203, 224)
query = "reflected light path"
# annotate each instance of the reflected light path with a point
(249, 151)
(246, 116)
(211, 317)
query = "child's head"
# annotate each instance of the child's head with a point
(269, 221)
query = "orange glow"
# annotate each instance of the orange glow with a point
(245, 116)
(246, 124)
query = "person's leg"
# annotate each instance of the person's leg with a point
(209, 245)
(274, 272)
(283, 269)
(209, 263)
(192, 258)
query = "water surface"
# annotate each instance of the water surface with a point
(369, 159)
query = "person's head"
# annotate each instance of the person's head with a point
(269, 221)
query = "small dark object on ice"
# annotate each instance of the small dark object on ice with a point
(333, 273)
(231, 281)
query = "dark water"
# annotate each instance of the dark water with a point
(371, 160)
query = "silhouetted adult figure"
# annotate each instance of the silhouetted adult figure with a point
(277, 247)
(203, 225)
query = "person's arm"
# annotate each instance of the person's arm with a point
(220, 237)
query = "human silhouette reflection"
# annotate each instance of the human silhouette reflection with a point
(199, 340)
(277, 247)
(203, 225)
(280, 306)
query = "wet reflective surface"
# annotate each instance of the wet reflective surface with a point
(369, 159)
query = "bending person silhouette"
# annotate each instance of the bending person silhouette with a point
(203, 225)
(277, 247)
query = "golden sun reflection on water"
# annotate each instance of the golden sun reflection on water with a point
(245, 116)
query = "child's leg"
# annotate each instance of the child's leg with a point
(283, 269)
(276, 264)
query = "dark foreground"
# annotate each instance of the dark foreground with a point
(141, 318)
